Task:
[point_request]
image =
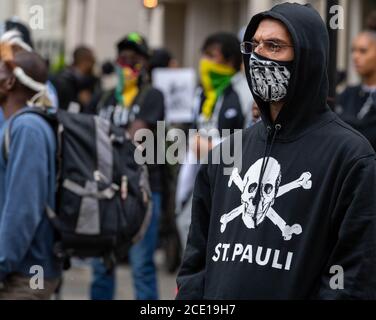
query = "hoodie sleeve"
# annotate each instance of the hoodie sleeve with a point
(191, 277)
(351, 270)
(26, 182)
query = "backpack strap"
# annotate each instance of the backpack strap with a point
(6, 143)
(7, 132)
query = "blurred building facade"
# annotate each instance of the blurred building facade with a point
(179, 25)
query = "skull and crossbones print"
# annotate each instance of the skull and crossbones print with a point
(269, 189)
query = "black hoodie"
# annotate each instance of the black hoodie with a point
(317, 198)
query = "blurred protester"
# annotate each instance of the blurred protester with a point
(371, 21)
(77, 84)
(256, 114)
(357, 104)
(217, 107)
(27, 180)
(134, 104)
(240, 86)
(169, 241)
(14, 23)
(108, 78)
(162, 58)
(19, 36)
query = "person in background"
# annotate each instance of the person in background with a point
(27, 181)
(217, 106)
(77, 84)
(169, 241)
(108, 77)
(371, 21)
(256, 114)
(356, 105)
(133, 105)
(240, 85)
(19, 36)
(162, 58)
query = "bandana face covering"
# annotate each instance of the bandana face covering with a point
(127, 88)
(270, 78)
(215, 78)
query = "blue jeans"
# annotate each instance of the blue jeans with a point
(141, 257)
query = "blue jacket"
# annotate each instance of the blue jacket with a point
(2, 119)
(27, 185)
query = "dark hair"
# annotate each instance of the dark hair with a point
(81, 53)
(371, 21)
(33, 65)
(160, 58)
(14, 24)
(229, 44)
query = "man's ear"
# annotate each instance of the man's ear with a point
(10, 83)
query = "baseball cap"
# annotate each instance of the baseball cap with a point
(135, 42)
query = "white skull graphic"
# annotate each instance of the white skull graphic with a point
(268, 190)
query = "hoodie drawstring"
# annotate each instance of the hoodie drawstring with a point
(265, 160)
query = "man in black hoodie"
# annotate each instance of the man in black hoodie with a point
(298, 219)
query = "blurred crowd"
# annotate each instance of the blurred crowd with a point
(122, 91)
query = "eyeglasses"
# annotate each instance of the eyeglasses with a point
(247, 47)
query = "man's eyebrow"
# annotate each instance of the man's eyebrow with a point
(277, 40)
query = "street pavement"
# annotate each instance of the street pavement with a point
(77, 281)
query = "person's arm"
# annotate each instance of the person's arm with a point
(355, 245)
(26, 189)
(191, 277)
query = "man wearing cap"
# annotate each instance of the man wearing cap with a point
(134, 104)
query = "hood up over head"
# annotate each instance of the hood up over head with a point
(306, 99)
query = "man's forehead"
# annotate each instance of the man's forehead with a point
(366, 38)
(272, 29)
(128, 52)
(213, 48)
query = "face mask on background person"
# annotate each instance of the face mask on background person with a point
(215, 78)
(270, 78)
(127, 88)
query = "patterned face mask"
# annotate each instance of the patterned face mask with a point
(127, 87)
(215, 78)
(270, 78)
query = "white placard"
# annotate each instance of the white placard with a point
(178, 87)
